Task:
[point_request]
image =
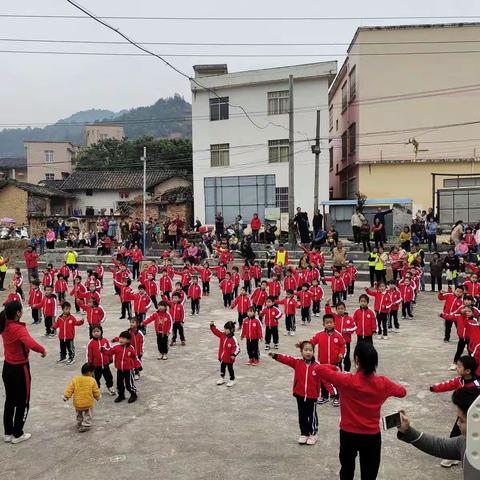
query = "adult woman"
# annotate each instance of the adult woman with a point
(50, 239)
(363, 394)
(301, 219)
(255, 224)
(378, 233)
(365, 236)
(395, 262)
(172, 234)
(380, 267)
(17, 344)
(339, 256)
(112, 228)
(219, 225)
(457, 232)
(356, 222)
(451, 264)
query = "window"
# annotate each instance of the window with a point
(352, 138)
(220, 155)
(219, 108)
(234, 196)
(344, 145)
(278, 102)
(281, 194)
(353, 83)
(278, 151)
(89, 193)
(331, 158)
(462, 182)
(48, 156)
(344, 97)
(330, 117)
(103, 136)
(336, 125)
(49, 176)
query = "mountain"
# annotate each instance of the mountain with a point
(168, 117)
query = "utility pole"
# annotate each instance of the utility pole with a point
(144, 160)
(316, 151)
(291, 165)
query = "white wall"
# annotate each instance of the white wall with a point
(101, 199)
(253, 160)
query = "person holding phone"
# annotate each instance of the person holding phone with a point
(363, 393)
(448, 448)
(17, 344)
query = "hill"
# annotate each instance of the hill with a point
(168, 117)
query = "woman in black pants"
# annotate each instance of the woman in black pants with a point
(436, 271)
(17, 344)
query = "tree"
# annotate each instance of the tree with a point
(361, 199)
(113, 154)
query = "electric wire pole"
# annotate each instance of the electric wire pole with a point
(291, 165)
(144, 160)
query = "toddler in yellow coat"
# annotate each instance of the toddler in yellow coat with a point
(84, 389)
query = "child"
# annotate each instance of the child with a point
(466, 367)
(98, 355)
(352, 272)
(35, 301)
(271, 316)
(290, 305)
(259, 296)
(205, 275)
(331, 350)
(178, 316)
(165, 284)
(60, 287)
(186, 278)
(252, 331)
(243, 303)
(453, 301)
(395, 301)
(365, 320)
(338, 286)
(226, 286)
(141, 303)
(100, 271)
(247, 277)
(407, 296)
(92, 293)
(49, 310)
(289, 282)
(18, 282)
(195, 294)
(48, 276)
(125, 362)
(125, 295)
(137, 257)
(136, 341)
(274, 287)
(163, 328)
(84, 389)
(228, 350)
(317, 294)
(381, 307)
(235, 277)
(256, 272)
(13, 296)
(305, 297)
(66, 324)
(151, 289)
(306, 389)
(78, 291)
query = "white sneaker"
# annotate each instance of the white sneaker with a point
(292, 333)
(231, 383)
(452, 367)
(312, 440)
(23, 438)
(8, 438)
(136, 376)
(287, 333)
(111, 391)
(221, 381)
(302, 439)
(385, 337)
(449, 463)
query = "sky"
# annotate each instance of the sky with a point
(37, 89)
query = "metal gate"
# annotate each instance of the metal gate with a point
(459, 204)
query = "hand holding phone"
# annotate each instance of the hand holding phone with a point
(391, 421)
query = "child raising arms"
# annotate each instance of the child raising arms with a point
(228, 350)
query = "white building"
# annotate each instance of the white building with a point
(240, 168)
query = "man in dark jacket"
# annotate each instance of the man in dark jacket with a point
(381, 216)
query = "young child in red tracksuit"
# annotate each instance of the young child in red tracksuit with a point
(305, 297)
(290, 305)
(221, 272)
(381, 307)
(289, 282)
(317, 294)
(49, 276)
(352, 272)
(100, 271)
(65, 271)
(178, 316)
(165, 284)
(453, 300)
(66, 324)
(274, 288)
(141, 303)
(91, 293)
(13, 296)
(126, 361)
(256, 271)
(271, 316)
(186, 278)
(152, 289)
(346, 326)
(49, 310)
(331, 350)
(247, 277)
(259, 296)
(226, 286)
(365, 320)
(338, 286)
(228, 350)
(205, 276)
(60, 287)
(98, 355)
(243, 303)
(125, 299)
(306, 389)
(163, 328)
(195, 294)
(235, 278)
(18, 282)
(407, 295)
(94, 312)
(252, 331)
(35, 300)
(395, 301)
(78, 291)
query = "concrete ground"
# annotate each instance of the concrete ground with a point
(185, 427)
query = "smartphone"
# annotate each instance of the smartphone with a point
(391, 421)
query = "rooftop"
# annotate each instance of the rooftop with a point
(13, 162)
(114, 180)
(40, 190)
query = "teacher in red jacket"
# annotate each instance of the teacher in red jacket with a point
(255, 224)
(17, 344)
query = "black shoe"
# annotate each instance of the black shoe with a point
(119, 399)
(133, 398)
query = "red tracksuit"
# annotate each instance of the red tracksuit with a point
(151, 288)
(317, 293)
(290, 305)
(78, 291)
(141, 303)
(271, 316)
(461, 323)
(336, 283)
(186, 278)
(205, 273)
(49, 306)
(226, 286)
(153, 269)
(88, 295)
(13, 297)
(242, 302)
(125, 357)
(194, 291)
(274, 289)
(455, 384)
(136, 341)
(343, 324)
(365, 321)
(246, 273)
(382, 301)
(221, 272)
(228, 347)
(60, 286)
(165, 283)
(305, 298)
(252, 329)
(407, 293)
(35, 298)
(165, 328)
(65, 271)
(235, 278)
(48, 278)
(452, 302)
(96, 357)
(176, 311)
(473, 288)
(289, 283)
(66, 327)
(259, 297)
(256, 272)
(100, 271)
(312, 274)
(330, 346)
(95, 315)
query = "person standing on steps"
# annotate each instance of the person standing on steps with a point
(317, 223)
(381, 217)
(17, 344)
(301, 219)
(219, 225)
(3, 271)
(356, 222)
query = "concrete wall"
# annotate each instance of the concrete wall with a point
(94, 133)
(253, 158)
(169, 184)
(13, 203)
(63, 152)
(101, 199)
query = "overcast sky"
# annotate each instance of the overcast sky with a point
(43, 88)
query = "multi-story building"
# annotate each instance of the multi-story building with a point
(240, 162)
(14, 168)
(403, 106)
(49, 160)
(101, 131)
